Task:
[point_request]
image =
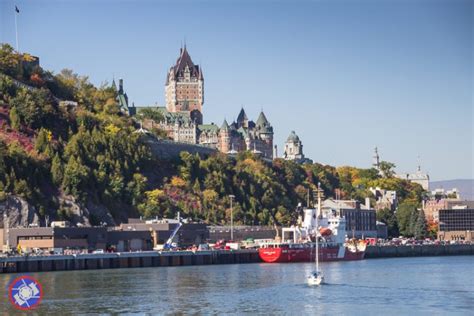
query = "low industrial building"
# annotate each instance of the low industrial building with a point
(160, 230)
(49, 238)
(135, 236)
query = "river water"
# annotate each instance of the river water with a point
(430, 285)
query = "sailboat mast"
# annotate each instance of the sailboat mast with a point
(317, 226)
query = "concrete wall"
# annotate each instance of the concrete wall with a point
(418, 250)
(125, 260)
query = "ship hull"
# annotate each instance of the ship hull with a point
(280, 254)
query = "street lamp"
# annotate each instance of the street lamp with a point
(6, 224)
(231, 197)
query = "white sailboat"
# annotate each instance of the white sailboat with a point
(317, 277)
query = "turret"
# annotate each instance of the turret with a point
(224, 137)
(376, 159)
(242, 119)
(120, 86)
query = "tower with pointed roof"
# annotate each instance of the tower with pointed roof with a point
(184, 88)
(376, 160)
(264, 129)
(224, 144)
(242, 119)
(122, 99)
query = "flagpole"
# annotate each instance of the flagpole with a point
(16, 30)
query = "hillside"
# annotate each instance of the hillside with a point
(82, 161)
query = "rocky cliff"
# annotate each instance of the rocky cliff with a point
(20, 213)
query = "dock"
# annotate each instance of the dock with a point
(374, 252)
(25, 264)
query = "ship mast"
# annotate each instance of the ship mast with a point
(317, 226)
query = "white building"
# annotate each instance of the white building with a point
(360, 218)
(294, 149)
(419, 177)
(384, 198)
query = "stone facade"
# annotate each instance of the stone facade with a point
(179, 126)
(243, 134)
(184, 88)
(294, 149)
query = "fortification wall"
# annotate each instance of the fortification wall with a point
(165, 149)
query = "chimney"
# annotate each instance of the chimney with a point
(275, 152)
(367, 203)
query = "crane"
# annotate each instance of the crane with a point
(168, 244)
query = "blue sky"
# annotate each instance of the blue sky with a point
(345, 75)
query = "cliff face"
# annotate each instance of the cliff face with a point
(20, 213)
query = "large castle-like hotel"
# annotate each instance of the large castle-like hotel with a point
(183, 115)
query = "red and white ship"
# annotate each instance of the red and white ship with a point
(298, 242)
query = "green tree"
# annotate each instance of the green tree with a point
(57, 170)
(9, 60)
(43, 142)
(7, 88)
(388, 217)
(152, 206)
(387, 169)
(15, 119)
(420, 230)
(22, 189)
(75, 178)
(412, 223)
(405, 213)
(136, 187)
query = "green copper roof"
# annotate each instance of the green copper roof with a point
(169, 117)
(225, 125)
(208, 127)
(242, 116)
(263, 125)
(262, 120)
(242, 131)
(293, 137)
